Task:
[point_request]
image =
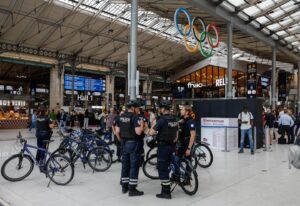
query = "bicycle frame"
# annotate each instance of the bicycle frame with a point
(26, 150)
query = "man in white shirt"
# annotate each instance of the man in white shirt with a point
(285, 122)
(245, 119)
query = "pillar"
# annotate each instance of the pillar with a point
(133, 49)
(56, 88)
(274, 79)
(298, 88)
(229, 60)
(110, 91)
(147, 91)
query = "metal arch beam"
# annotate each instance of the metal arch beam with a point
(22, 34)
(241, 25)
(109, 23)
(60, 22)
(86, 22)
(11, 9)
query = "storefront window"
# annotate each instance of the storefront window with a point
(209, 76)
(182, 80)
(193, 77)
(241, 84)
(198, 76)
(187, 78)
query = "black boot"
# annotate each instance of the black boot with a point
(165, 192)
(125, 188)
(134, 192)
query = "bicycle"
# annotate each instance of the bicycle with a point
(54, 166)
(85, 149)
(203, 154)
(181, 170)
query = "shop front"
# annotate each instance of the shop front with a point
(210, 82)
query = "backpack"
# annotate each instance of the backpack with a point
(294, 156)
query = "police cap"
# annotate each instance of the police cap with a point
(165, 104)
(133, 103)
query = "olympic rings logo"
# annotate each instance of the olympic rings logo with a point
(204, 37)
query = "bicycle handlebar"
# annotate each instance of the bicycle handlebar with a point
(22, 140)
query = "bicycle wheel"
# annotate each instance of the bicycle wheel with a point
(194, 162)
(99, 159)
(65, 152)
(188, 178)
(152, 151)
(59, 169)
(150, 169)
(204, 155)
(17, 167)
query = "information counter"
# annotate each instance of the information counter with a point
(215, 130)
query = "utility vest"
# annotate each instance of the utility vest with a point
(169, 131)
(127, 130)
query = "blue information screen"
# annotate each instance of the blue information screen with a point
(84, 83)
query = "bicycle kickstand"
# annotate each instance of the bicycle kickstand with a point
(49, 184)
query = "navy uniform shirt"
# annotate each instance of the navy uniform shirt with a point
(189, 126)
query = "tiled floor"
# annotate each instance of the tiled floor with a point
(259, 180)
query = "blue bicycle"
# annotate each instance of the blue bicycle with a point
(58, 168)
(181, 171)
(85, 148)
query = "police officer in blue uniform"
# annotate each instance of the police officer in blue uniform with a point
(141, 116)
(128, 128)
(187, 135)
(43, 133)
(166, 129)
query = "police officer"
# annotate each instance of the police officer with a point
(128, 127)
(43, 132)
(188, 132)
(138, 111)
(166, 128)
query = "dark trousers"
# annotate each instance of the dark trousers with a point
(41, 136)
(164, 159)
(292, 128)
(286, 129)
(130, 163)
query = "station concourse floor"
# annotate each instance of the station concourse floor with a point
(233, 180)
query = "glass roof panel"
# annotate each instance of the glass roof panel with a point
(281, 33)
(276, 13)
(266, 4)
(237, 3)
(263, 20)
(252, 11)
(274, 26)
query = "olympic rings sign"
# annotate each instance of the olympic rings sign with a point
(202, 37)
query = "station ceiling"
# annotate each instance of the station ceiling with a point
(100, 29)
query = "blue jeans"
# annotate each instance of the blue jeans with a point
(32, 125)
(249, 133)
(131, 156)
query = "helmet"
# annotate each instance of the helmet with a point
(164, 104)
(133, 103)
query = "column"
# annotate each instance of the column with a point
(229, 60)
(147, 91)
(56, 89)
(110, 91)
(133, 49)
(298, 88)
(274, 78)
